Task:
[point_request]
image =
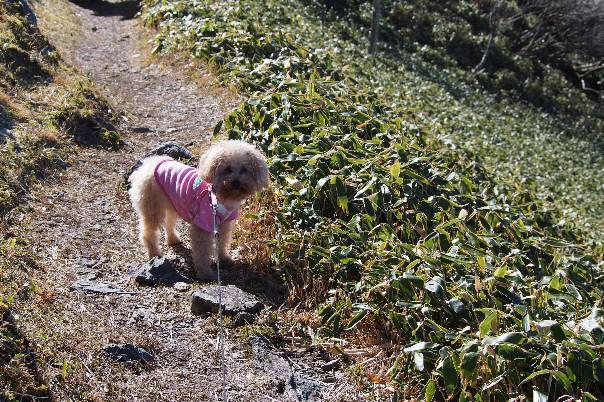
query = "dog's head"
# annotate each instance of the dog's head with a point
(236, 170)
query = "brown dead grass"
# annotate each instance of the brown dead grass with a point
(256, 230)
(59, 24)
(197, 70)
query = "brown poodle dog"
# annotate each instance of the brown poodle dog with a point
(162, 190)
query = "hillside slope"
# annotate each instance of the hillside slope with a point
(523, 114)
(46, 109)
(69, 251)
(390, 224)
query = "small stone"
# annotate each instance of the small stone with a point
(170, 148)
(279, 385)
(90, 286)
(142, 314)
(298, 386)
(182, 286)
(5, 134)
(331, 365)
(242, 318)
(128, 353)
(61, 163)
(159, 271)
(140, 129)
(88, 264)
(234, 301)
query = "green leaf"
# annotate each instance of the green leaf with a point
(358, 317)
(395, 170)
(217, 128)
(510, 337)
(485, 326)
(430, 390)
(421, 346)
(450, 375)
(468, 363)
(343, 202)
(598, 371)
(558, 375)
(501, 272)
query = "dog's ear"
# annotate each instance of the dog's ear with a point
(260, 170)
(209, 163)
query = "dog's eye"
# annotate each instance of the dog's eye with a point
(243, 169)
(228, 170)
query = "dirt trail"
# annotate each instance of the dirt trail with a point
(83, 227)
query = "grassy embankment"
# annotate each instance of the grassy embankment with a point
(46, 109)
(391, 224)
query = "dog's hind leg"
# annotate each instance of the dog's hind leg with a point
(170, 225)
(150, 238)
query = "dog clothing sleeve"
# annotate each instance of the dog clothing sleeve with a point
(189, 194)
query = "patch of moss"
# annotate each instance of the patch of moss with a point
(20, 379)
(25, 54)
(86, 116)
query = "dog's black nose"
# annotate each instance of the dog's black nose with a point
(236, 183)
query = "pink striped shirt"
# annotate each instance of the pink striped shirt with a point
(190, 195)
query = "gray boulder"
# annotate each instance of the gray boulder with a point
(159, 271)
(234, 301)
(128, 353)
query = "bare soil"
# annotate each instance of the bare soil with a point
(83, 228)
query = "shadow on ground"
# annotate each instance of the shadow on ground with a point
(6, 124)
(125, 9)
(19, 372)
(262, 285)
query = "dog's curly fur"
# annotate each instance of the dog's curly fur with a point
(236, 170)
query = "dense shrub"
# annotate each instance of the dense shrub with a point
(486, 291)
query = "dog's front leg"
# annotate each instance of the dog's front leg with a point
(202, 251)
(226, 235)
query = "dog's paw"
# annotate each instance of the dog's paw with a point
(227, 260)
(174, 241)
(205, 276)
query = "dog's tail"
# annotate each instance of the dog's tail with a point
(171, 149)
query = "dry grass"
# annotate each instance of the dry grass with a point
(197, 70)
(59, 24)
(70, 328)
(256, 231)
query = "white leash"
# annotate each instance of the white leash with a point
(225, 396)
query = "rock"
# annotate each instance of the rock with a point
(331, 365)
(5, 134)
(87, 266)
(173, 150)
(142, 314)
(61, 163)
(140, 129)
(128, 353)
(234, 301)
(182, 286)
(170, 148)
(242, 318)
(287, 381)
(90, 286)
(159, 271)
